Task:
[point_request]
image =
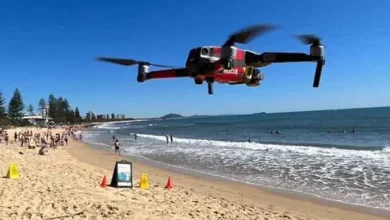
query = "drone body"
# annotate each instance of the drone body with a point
(229, 64)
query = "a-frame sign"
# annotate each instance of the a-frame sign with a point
(123, 174)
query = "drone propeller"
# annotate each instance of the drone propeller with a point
(130, 62)
(310, 39)
(243, 36)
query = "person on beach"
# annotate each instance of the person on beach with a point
(15, 136)
(43, 150)
(135, 136)
(167, 137)
(116, 145)
(6, 138)
(171, 139)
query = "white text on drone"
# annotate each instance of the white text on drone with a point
(232, 71)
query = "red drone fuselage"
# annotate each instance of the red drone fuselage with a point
(204, 63)
(229, 64)
(221, 75)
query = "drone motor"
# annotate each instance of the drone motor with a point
(317, 50)
(143, 69)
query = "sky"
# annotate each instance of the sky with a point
(50, 47)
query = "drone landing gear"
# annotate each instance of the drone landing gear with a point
(210, 82)
(210, 88)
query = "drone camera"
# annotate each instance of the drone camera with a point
(203, 55)
(205, 51)
(255, 79)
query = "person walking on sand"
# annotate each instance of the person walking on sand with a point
(116, 145)
(171, 139)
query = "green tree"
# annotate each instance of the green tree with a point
(16, 106)
(52, 104)
(3, 113)
(60, 110)
(42, 104)
(70, 116)
(63, 109)
(67, 111)
(77, 115)
(30, 109)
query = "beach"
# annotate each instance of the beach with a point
(65, 184)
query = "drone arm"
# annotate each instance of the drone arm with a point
(168, 73)
(278, 57)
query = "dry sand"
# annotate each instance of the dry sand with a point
(65, 184)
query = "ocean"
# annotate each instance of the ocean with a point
(315, 152)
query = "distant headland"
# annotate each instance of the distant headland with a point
(171, 116)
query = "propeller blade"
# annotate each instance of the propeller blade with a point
(310, 39)
(245, 35)
(125, 62)
(129, 62)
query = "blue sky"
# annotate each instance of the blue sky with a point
(49, 47)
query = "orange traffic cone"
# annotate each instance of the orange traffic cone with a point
(104, 182)
(169, 184)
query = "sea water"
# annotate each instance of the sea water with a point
(316, 152)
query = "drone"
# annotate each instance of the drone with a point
(228, 64)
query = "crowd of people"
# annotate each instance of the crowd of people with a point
(43, 140)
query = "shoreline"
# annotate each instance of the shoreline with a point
(289, 200)
(296, 195)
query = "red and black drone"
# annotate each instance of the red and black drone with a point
(227, 63)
